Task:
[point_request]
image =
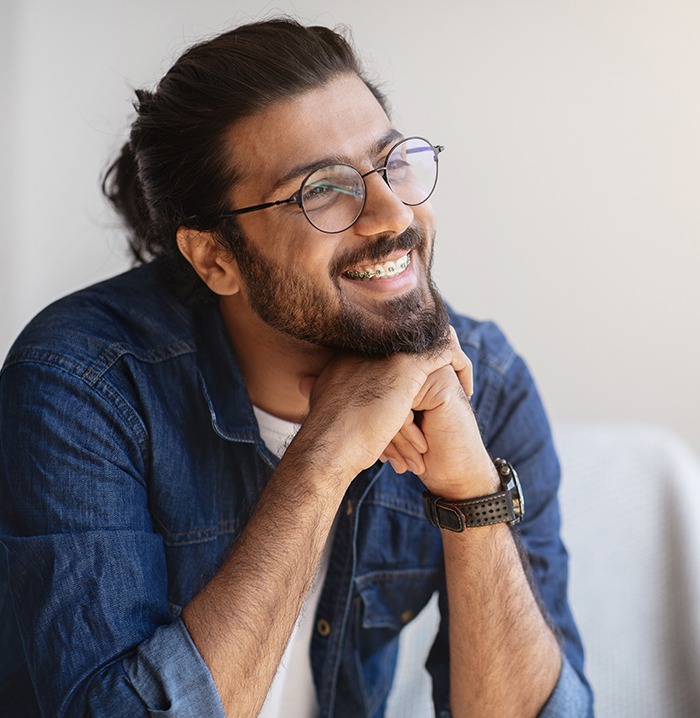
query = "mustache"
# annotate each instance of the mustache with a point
(409, 239)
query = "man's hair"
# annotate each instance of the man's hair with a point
(177, 164)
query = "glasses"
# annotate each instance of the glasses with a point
(332, 198)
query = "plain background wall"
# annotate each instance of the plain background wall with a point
(569, 198)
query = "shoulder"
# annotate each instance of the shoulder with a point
(131, 314)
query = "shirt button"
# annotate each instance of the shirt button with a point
(348, 508)
(406, 616)
(323, 627)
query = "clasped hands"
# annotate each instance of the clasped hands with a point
(411, 410)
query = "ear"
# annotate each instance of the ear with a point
(214, 265)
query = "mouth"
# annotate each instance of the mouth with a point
(378, 272)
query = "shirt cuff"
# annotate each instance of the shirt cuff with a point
(171, 678)
(571, 697)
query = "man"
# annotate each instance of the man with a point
(214, 466)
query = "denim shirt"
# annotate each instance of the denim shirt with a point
(130, 461)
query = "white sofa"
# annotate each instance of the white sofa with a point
(631, 522)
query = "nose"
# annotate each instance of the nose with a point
(384, 212)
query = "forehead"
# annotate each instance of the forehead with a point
(340, 120)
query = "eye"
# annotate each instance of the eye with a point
(396, 163)
(397, 160)
(315, 191)
(397, 167)
(331, 184)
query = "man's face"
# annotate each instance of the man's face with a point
(308, 284)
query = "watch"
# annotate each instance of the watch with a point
(505, 506)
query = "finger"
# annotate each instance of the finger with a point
(408, 453)
(395, 459)
(466, 380)
(462, 366)
(398, 466)
(412, 433)
(433, 392)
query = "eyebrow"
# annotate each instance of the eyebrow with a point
(303, 170)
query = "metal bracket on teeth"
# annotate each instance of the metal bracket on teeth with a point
(369, 274)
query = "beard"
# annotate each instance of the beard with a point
(293, 303)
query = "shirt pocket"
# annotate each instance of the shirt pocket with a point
(386, 602)
(391, 599)
(192, 562)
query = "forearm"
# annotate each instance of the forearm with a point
(504, 659)
(241, 621)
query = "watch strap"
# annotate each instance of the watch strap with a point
(457, 515)
(505, 506)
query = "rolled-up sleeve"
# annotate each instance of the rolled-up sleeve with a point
(85, 567)
(570, 698)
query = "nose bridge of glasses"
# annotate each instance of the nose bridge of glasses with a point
(382, 170)
(383, 173)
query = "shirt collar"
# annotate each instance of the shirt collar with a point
(220, 376)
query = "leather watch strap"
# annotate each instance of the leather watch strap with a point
(504, 506)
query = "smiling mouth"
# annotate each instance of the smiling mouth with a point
(386, 270)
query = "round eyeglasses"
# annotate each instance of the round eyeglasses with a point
(332, 198)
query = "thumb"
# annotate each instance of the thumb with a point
(461, 365)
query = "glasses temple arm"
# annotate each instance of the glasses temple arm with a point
(256, 207)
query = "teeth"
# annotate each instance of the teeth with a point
(380, 271)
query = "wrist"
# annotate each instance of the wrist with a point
(315, 466)
(503, 506)
(479, 479)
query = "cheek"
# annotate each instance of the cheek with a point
(285, 239)
(288, 237)
(310, 253)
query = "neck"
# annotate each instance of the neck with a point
(275, 367)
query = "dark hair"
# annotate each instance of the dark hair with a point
(174, 167)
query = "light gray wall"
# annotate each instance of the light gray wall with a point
(9, 234)
(569, 199)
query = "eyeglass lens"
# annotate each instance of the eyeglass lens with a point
(333, 197)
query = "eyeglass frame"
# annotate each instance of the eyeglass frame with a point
(296, 197)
